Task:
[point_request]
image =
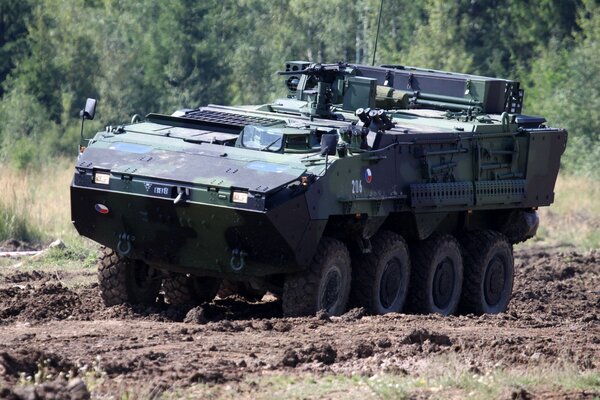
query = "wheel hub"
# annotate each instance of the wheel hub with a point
(331, 289)
(494, 281)
(390, 283)
(443, 283)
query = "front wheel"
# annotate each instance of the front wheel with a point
(324, 286)
(123, 280)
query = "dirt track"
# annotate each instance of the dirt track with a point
(554, 317)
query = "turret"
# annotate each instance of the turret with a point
(325, 87)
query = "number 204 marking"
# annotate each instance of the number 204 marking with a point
(356, 186)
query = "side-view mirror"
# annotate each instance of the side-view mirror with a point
(90, 109)
(87, 113)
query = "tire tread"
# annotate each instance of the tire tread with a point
(112, 277)
(364, 270)
(180, 289)
(423, 253)
(472, 244)
(300, 289)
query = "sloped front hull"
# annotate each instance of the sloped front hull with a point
(201, 239)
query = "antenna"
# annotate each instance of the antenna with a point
(377, 35)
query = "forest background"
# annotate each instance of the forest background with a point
(146, 55)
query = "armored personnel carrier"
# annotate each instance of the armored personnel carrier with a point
(390, 188)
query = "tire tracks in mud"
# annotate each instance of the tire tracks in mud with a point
(554, 317)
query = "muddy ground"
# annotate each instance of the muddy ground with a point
(47, 328)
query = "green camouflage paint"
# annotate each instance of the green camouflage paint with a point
(190, 193)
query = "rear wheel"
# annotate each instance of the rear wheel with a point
(489, 272)
(324, 286)
(123, 280)
(437, 275)
(380, 279)
(184, 289)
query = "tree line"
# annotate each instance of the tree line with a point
(145, 56)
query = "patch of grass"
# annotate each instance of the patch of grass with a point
(73, 266)
(574, 218)
(78, 252)
(13, 224)
(312, 387)
(35, 203)
(444, 377)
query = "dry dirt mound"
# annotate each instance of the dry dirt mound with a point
(557, 287)
(28, 362)
(37, 303)
(28, 276)
(17, 245)
(554, 318)
(41, 376)
(56, 389)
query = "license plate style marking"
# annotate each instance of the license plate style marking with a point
(159, 190)
(240, 197)
(102, 178)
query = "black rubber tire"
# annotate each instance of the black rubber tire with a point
(184, 289)
(329, 275)
(436, 275)
(123, 280)
(387, 266)
(489, 272)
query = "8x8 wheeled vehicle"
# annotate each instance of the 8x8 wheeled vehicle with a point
(382, 187)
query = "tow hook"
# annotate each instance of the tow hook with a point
(182, 193)
(237, 262)
(125, 243)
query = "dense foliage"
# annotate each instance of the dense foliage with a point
(143, 56)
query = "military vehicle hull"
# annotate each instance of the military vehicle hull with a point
(202, 238)
(257, 193)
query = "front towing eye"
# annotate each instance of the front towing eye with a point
(126, 240)
(237, 262)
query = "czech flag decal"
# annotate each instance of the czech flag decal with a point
(368, 175)
(101, 208)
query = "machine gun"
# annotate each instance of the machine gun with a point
(322, 72)
(321, 85)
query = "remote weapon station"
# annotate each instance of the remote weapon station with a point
(390, 188)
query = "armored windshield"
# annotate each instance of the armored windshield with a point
(255, 137)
